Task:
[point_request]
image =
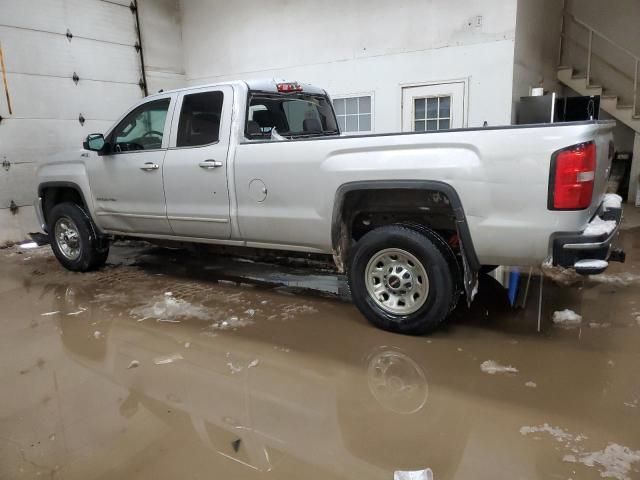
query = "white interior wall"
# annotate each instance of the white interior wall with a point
(351, 49)
(537, 42)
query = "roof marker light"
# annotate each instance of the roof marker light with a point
(289, 87)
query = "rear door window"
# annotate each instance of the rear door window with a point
(200, 116)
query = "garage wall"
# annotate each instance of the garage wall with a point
(41, 60)
(537, 43)
(349, 48)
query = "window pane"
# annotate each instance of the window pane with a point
(199, 119)
(352, 105)
(341, 124)
(432, 125)
(445, 106)
(339, 106)
(365, 123)
(364, 105)
(352, 123)
(444, 124)
(419, 108)
(432, 107)
(419, 126)
(143, 128)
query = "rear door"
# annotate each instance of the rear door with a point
(127, 184)
(195, 168)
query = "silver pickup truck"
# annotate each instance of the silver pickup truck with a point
(411, 217)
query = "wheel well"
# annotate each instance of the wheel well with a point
(363, 210)
(52, 196)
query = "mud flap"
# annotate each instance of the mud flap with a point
(469, 276)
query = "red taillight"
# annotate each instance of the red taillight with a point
(572, 175)
(289, 87)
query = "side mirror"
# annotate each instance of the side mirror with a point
(94, 142)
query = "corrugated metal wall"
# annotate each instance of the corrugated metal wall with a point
(46, 43)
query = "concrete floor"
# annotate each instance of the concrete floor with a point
(164, 365)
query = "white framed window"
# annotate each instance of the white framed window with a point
(432, 113)
(354, 113)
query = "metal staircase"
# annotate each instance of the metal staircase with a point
(588, 57)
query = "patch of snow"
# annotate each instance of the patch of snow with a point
(231, 323)
(591, 264)
(253, 363)
(77, 312)
(167, 308)
(492, 367)
(28, 245)
(133, 364)
(97, 334)
(425, 474)
(622, 279)
(46, 314)
(187, 344)
(556, 432)
(250, 311)
(566, 317)
(598, 226)
(531, 384)
(599, 325)
(234, 369)
(612, 200)
(614, 461)
(165, 359)
(633, 404)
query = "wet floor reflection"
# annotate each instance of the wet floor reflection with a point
(161, 366)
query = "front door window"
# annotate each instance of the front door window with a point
(142, 129)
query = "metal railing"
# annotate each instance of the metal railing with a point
(594, 32)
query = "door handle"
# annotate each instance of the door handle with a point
(209, 164)
(149, 166)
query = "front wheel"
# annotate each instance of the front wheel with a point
(400, 281)
(74, 239)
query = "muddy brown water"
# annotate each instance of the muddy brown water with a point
(164, 365)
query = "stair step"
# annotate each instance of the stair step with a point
(564, 67)
(594, 87)
(580, 76)
(608, 97)
(636, 117)
(624, 107)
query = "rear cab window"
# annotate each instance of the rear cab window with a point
(289, 115)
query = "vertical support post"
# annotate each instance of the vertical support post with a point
(562, 34)
(589, 57)
(635, 89)
(540, 302)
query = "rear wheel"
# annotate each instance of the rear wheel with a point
(400, 280)
(74, 239)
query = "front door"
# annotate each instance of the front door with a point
(433, 107)
(126, 184)
(195, 168)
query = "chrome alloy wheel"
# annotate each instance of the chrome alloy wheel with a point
(397, 281)
(67, 238)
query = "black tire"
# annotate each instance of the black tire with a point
(439, 297)
(94, 250)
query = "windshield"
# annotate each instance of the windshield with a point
(291, 115)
